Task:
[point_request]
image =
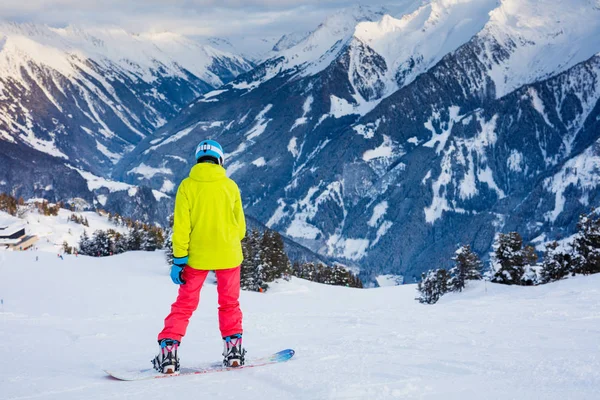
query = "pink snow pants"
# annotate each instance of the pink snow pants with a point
(228, 289)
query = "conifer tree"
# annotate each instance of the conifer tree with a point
(134, 239)
(84, 244)
(120, 243)
(102, 244)
(251, 274)
(467, 267)
(556, 265)
(511, 260)
(169, 241)
(433, 285)
(274, 260)
(587, 245)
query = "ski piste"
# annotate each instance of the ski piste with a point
(138, 375)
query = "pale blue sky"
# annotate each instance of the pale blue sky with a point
(190, 17)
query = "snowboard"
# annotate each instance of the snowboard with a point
(151, 373)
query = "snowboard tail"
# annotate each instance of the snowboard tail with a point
(137, 375)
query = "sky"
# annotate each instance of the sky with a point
(203, 18)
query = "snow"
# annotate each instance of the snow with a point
(54, 230)
(582, 172)
(278, 214)
(173, 138)
(293, 147)
(340, 107)
(102, 199)
(441, 138)
(348, 248)
(382, 231)
(543, 37)
(492, 341)
(214, 93)
(321, 47)
(261, 123)
(306, 108)
(487, 176)
(386, 149)
(113, 157)
(168, 186)
(259, 162)
(66, 49)
(148, 172)
(439, 203)
(418, 39)
(306, 209)
(367, 131)
(538, 104)
(158, 195)
(413, 140)
(95, 182)
(515, 161)
(234, 167)
(378, 213)
(389, 280)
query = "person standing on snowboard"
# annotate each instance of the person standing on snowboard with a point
(209, 225)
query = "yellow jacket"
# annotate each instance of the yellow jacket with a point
(209, 219)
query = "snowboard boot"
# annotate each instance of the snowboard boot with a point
(167, 361)
(233, 352)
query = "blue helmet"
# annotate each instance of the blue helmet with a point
(210, 150)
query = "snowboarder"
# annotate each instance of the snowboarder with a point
(209, 225)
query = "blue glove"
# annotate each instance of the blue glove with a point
(177, 270)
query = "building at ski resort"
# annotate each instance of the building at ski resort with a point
(14, 237)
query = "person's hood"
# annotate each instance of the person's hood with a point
(205, 172)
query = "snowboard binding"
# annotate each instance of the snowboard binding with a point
(167, 361)
(233, 352)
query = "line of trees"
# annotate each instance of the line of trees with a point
(78, 219)
(265, 261)
(11, 204)
(435, 283)
(514, 263)
(330, 275)
(107, 243)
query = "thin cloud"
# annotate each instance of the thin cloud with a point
(226, 18)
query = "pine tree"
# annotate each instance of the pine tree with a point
(168, 246)
(433, 285)
(120, 244)
(274, 260)
(467, 267)
(102, 244)
(85, 244)
(586, 245)
(149, 241)
(511, 259)
(556, 264)
(134, 240)
(251, 274)
(530, 276)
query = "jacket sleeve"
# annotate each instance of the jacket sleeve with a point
(182, 227)
(238, 210)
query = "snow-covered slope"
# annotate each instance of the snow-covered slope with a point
(53, 231)
(490, 341)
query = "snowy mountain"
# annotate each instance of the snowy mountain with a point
(387, 140)
(252, 48)
(86, 97)
(491, 341)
